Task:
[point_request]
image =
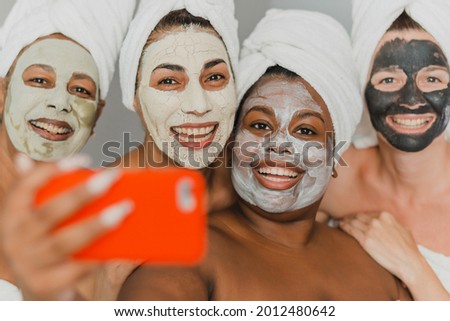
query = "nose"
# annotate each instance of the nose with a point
(196, 102)
(412, 98)
(280, 147)
(59, 100)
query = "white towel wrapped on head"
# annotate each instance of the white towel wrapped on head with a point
(371, 20)
(97, 25)
(315, 47)
(220, 13)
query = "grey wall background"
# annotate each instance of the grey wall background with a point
(117, 120)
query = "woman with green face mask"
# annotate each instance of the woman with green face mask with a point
(177, 72)
(56, 63)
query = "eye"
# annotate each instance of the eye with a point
(260, 126)
(433, 80)
(83, 91)
(389, 80)
(167, 82)
(215, 77)
(80, 92)
(40, 81)
(306, 131)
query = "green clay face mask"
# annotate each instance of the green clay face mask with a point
(52, 100)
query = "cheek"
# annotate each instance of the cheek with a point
(159, 104)
(378, 101)
(247, 147)
(86, 111)
(224, 100)
(21, 99)
(439, 100)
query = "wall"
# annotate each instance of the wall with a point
(116, 120)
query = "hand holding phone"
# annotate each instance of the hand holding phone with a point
(167, 224)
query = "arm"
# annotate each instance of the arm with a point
(165, 284)
(38, 256)
(393, 247)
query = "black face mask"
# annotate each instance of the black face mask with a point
(410, 57)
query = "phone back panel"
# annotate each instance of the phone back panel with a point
(167, 225)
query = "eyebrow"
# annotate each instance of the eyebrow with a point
(262, 109)
(45, 67)
(170, 67)
(388, 69)
(213, 63)
(435, 67)
(310, 113)
(80, 76)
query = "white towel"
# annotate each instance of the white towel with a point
(317, 48)
(371, 19)
(220, 13)
(97, 25)
(9, 292)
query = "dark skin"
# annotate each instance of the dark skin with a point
(257, 255)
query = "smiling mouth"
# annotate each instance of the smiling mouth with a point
(411, 124)
(196, 136)
(50, 129)
(278, 176)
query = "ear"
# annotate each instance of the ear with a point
(334, 173)
(100, 106)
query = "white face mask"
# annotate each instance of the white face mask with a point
(285, 173)
(188, 111)
(48, 113)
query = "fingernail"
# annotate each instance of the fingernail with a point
(23, 163)
(74, 162)
(101, 182)
(115, 214)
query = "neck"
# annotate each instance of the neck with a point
(292, 229)
(415, 171)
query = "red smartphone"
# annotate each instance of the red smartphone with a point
(167, 224)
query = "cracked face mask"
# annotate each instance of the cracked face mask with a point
(187, 96)
(408, 95)
(52, 99)
(280, 160)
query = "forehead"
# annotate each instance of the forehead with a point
(286, 97)
(60, 54)
(413, 48)
(191, 45)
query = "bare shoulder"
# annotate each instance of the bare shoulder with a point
(355, 164)
(160, 283)
(352, 262)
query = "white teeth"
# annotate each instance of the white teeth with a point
(52, 129)
(191, 131)
(412, 123)
(278, 171)
(193, 139)
(276, 179)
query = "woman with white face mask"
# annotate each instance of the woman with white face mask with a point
(398, 166)
(269, 247)
(56, 63)
(177, 71)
